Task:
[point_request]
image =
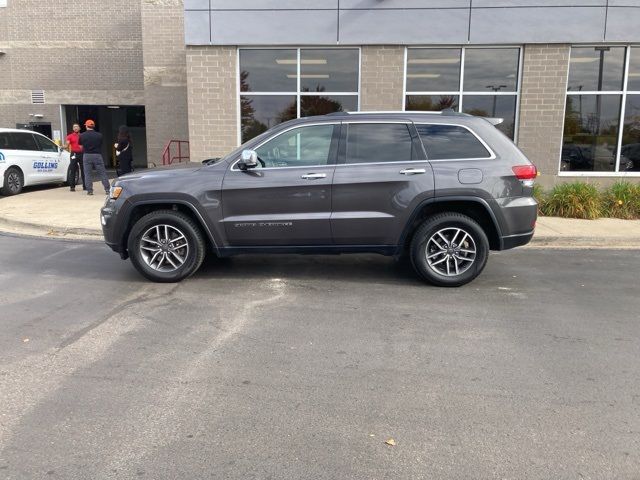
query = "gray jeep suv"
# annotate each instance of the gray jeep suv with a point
(443, 188)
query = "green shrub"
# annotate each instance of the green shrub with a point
(538, 194)
(573, 200)
(622, 200)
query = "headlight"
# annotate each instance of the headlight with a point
(114, 192)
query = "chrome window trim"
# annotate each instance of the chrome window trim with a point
(492, 154)
(293, 127)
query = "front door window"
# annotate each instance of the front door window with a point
(299, 147)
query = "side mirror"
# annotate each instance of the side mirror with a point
(248, 159)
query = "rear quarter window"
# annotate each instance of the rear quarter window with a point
(447, 142)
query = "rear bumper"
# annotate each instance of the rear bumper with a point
(513, 241)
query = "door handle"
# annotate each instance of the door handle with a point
(313, 176)
(413, 171)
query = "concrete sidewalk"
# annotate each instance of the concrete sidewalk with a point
(59, 213)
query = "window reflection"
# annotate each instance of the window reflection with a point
(329, 70)
(268, 70)
(433, 69)
(261, 112)
(630, 152)
(590, 133)
(431, 103)
(311, 105)
(596, 69)
(500, 106)
(633, 82)
(491, 69)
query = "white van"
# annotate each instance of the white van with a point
(29, 158)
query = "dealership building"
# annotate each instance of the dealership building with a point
(564, 75)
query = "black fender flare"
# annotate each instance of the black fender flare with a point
(132, 205)
(435, 200)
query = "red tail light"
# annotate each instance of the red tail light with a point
(525, 172)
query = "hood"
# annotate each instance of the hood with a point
(180, 170)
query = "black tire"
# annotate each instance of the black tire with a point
(174, 221)
(449, 258)
(13, 182)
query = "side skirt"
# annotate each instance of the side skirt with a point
(387, 250)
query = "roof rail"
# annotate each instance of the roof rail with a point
(448, 111)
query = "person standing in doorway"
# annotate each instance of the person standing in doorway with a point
(124, 151)
(91, 142)
(75, 150)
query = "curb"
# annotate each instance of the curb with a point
(47, 231)
(585, 241)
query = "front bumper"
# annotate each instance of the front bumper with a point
(110, 229)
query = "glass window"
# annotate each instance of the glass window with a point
(491, 69)
(45, 144)
(431, 103)
(328, 83)
(633, 82)
(304, 146)
(323, 104)
(479, 81)
(260, 113)
(596, 69)
(369, 142)
(328, 70)
(630, 152)
(445, 142)
(5, 142)
(591, 133)
(268, 70)
(433, 69)
(23, 141)
(500, 106)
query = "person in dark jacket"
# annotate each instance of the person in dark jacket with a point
(91, 142)
(124, 151)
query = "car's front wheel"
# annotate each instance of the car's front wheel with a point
(13, 182)
(166, 246)
(449, 250)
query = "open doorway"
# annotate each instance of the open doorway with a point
(108, 119)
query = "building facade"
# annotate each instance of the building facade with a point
(563, 74)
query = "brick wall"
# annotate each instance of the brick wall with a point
(87, 52)
(381, 78)
(544, 87)
(213, 112)
(165, 74)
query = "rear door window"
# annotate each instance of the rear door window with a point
(447, 142)
(379, 142)
(23, 141)
(5, 141)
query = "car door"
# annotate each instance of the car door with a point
(286, 199)
(50, 166)
(26, 155)
(381, 177)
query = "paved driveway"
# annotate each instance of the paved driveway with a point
(303, 366)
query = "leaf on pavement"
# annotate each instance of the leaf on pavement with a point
(391, 442)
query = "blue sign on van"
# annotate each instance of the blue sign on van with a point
(1, 157)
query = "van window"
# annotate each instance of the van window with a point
(45, 144)
(379, 142)
(445, 142)
(5, 141)
(23, 141)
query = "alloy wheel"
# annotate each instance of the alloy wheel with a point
(164, 248)
(450, 251)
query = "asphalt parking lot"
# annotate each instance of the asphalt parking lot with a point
(304, 366)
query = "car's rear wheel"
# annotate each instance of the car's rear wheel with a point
(13, 182)
(166, 246)
(449, 250)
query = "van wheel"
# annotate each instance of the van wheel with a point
(166, 246)
(13, 182)
(449, 250)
